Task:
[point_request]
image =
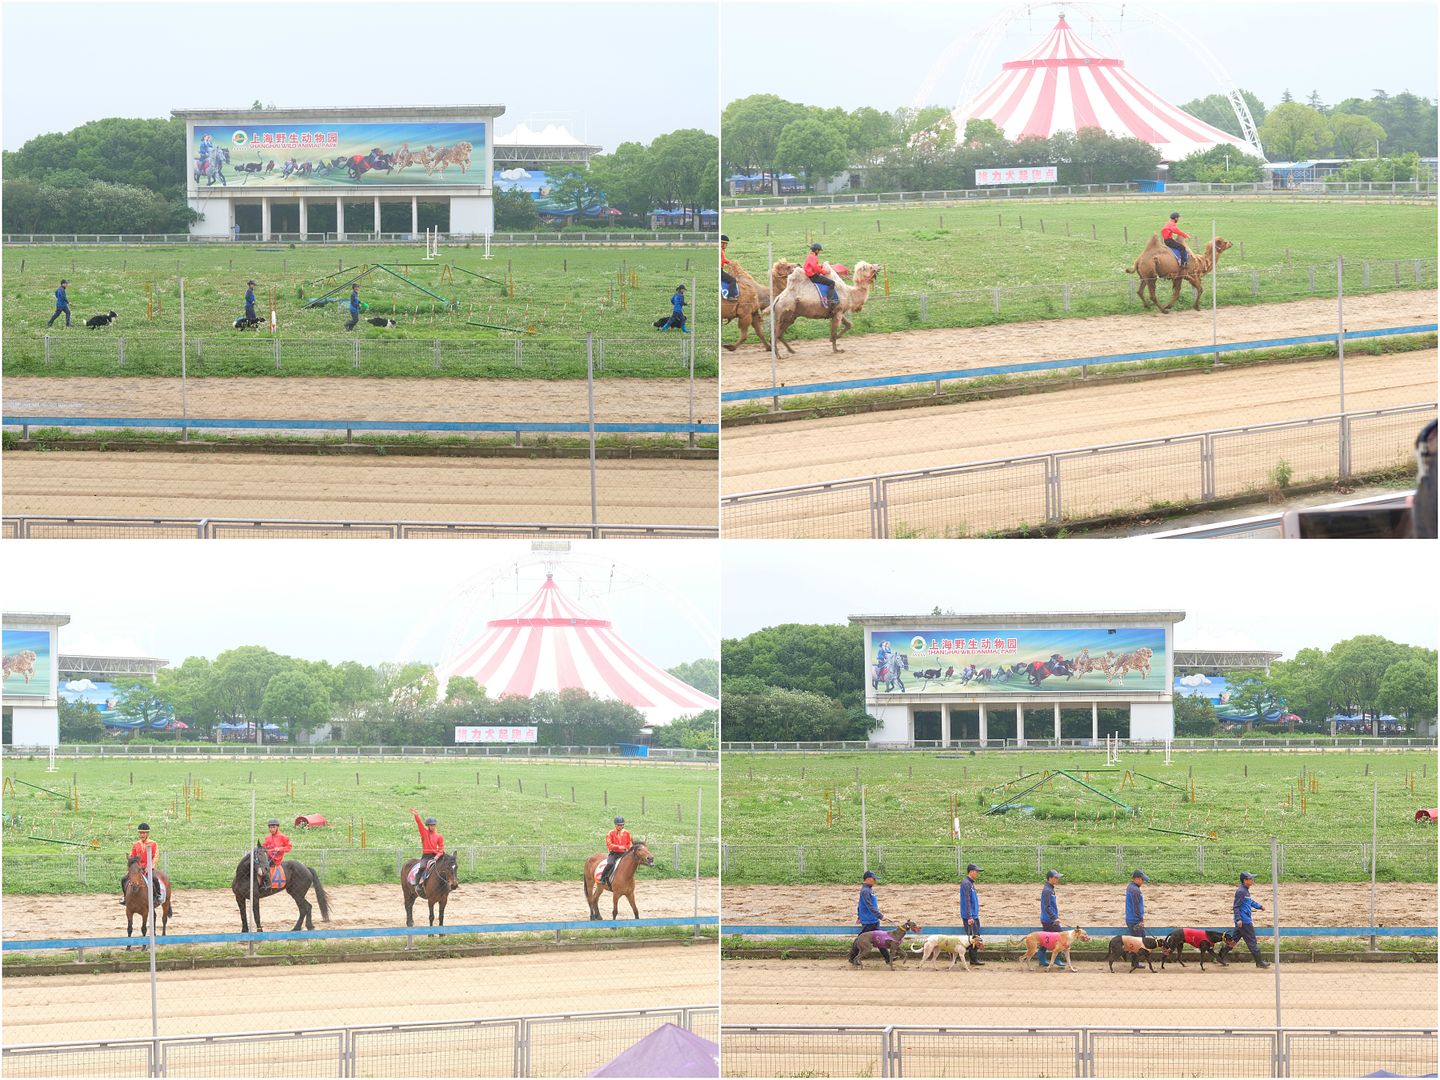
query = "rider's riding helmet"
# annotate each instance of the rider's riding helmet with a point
(1175, 216)
(274, 821)
(142, 827)
(816, 247)
(619, 821)
(430, 821)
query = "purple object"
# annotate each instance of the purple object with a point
(667, 1051)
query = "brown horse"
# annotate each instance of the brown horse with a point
(139, 898)
(622, 881)
(443, 877)
(1158, 261)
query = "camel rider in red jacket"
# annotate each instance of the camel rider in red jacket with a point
(1173, 238)
(277, 846)
(617, 843)
(148, 852)
(815, 271)
(432, 845)
(729, 290)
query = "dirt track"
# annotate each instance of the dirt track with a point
(616, 400)
(369, 488)
(870, 355)
(213, 910)
(1303, 904)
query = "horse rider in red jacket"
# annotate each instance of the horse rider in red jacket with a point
(815, 271)
(617, 843)
(432, 845)
(148, 852)
(277, 846)
(1173, 238)
(729, 290)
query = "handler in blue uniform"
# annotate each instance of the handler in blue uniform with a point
(250, 301)
(1244, 925)
(1135, 910)
(62, 305)
(354, 307)
(970, 911)
(677, 311)
(867, 910)
(1050, 914)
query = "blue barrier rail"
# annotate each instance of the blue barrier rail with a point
(749, 930)
(361, 932)
(357, 425)
(1053, 365)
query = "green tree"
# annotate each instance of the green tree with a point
(752, 711)
(144, 701)
(702, 674)
(1218, 165)
(870, 133)
(296, 700)
(1295, 132)
(1401, 167)
(515, 211)
(1358, 666)
(80, 722)
(981, 134)
(1355, 136)
(750, 129)
(190, 692)
(1253, 692)
(698, 732)
(625, 177)
(460, 689)
(1304, 682)
(1409, 121)
(239, 679)
(1217, 111)
(576, 188)
(1195, 717)
(1407, 689)
(352, 687)
(683, 169)
(826, 659)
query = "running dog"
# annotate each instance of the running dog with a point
(381, 322)
(1124, 944)
(1202, 941)
(1056, 942)
(243, 323)
(937, 945)
(881, 941)
(1139, 660)
(100, 320)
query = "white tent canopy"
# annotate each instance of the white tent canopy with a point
(1065, 84)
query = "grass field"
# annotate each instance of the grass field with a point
(944, 252)
(511, 821)
(559, 295)
(775, 802)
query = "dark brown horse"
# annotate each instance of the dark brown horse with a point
(139, 898)
(298, 879)
(622, 881)
(443, 877)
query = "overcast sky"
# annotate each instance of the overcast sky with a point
(612, 72)
(354, 600)
(886, 54)
(1235, 595)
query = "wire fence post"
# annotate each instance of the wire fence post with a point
(184, 390)
(1374, 851)
(864, 833)
(699, 800)
(1214, 289)
(253, 909)
(695, 292)
(1275, 921)
(590, 407)
(150, 921)
(774, 350)
(1340, 349)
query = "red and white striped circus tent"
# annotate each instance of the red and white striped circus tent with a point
(551, 644)
(1065, 84)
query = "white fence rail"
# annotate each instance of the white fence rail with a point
(60, 527)
(657, 236)
(334, 751)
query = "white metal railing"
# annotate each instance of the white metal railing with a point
(327, 750)
(516, 1046)
(521, 239)
(1275, 742)
(54, 526)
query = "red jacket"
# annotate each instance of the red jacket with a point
(813, 265)
(618, 839)
(1172, 230)
(1195, 938)
(724, 259)
(147, 851)
(431, 842)
(278, 845)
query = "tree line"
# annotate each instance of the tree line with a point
(919, 149)
(388, 704)
(806, 682)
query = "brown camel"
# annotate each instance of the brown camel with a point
(749, 308)
(1158, 261)
(800, 299)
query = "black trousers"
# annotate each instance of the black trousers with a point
(1246, 932)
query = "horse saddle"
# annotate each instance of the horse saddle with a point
(277, 875)
(728, 292)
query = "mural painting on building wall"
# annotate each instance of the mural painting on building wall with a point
(339, 155)
(1017, 661)
(29, 663)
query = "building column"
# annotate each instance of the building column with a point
(1094, 721)
(984, 731)
(414, 214)
(265, 218)
(304, 217)
(377, 215)
(910, 725)
(339, 217)
(945, 724)
(1057, 721)
(1019, 724)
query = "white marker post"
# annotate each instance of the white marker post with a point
(184, 399)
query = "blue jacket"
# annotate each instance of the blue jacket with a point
(1049, 906)
(969, 901)
(677, 303)
(1134, 904)
(249, 299)
(60, 299)
(1244, 905)
(354, 303)
(868, 909)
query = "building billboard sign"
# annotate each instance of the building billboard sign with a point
(1016, 174)
(998, 661)
(328, 155)
(29, 663)
(492, 734)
